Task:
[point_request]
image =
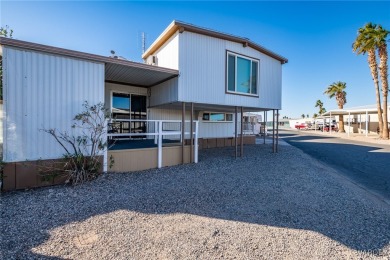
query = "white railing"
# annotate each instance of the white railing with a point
(156, 128)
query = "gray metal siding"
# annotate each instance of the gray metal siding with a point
(43, 91)
(206, 129)
(166, 92)
(202, 73)
(167, 55)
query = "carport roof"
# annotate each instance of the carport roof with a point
(370, 109)
(116, 70)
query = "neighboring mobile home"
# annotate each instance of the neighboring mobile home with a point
(193, 77)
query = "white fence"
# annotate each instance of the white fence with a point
(156, 129)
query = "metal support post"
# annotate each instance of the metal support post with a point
(242, 133)
(196, 142)
(191, 132)
(265, 122)
(277, 129)
(235, 131)
(366, 122)
(330, 122)
(183, 112)
(273, 130)
(349, 122)
(159, 147)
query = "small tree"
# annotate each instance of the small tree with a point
(303, 115)
(83, 153)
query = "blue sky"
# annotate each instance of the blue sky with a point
(315, 36)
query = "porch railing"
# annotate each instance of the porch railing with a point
(157, 130)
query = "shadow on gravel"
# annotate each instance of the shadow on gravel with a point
(255, 189)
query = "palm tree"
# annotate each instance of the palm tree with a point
(336, 89)
(303, 115)
(315, 115)
(320, 105)
(365, 42)
(381, 35)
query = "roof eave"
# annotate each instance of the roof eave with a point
(79, 55)
(175, 26)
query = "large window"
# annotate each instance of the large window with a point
(242, 74)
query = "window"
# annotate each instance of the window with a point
(127, 106)
(217, 117)
(121, 105)
(242, 74)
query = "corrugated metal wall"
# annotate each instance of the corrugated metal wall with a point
(167, 114)
(202, 65)
(206, 129)
(216, 129)
(43, 91)
(168, 54)
(164, 93)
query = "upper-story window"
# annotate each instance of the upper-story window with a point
(242, 74)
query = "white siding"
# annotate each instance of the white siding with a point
(166, 114)
(202, 65)
(164, 93)
(215, 129)
(43, 91)
(206, 129)
(167, 55)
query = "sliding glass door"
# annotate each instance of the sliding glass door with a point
(129, 106)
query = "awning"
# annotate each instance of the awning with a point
(136, 74)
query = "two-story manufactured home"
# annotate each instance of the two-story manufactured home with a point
(190, 94)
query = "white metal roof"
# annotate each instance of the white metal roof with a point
(370, 109)
(116, 70)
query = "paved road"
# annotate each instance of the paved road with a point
(366, 164)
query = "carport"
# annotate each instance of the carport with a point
(362, 111)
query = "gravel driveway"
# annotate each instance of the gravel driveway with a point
(262, 206)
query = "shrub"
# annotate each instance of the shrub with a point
(83, 153)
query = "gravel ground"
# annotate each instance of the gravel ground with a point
(262, 206)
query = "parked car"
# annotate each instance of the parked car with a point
(301, 126)
(334, 128)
